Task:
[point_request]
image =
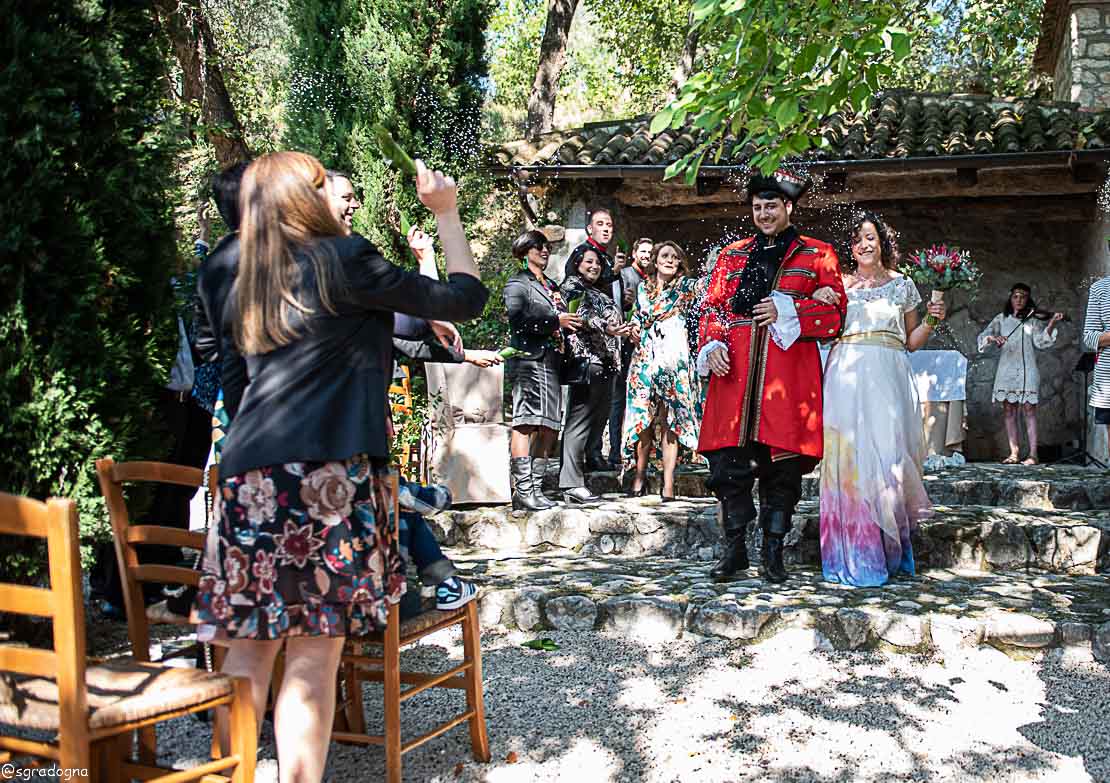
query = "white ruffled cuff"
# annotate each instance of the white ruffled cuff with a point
(786, 328)
(702, 364)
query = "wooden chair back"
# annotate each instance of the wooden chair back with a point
(126, 536)
(356, 667)
(56, 522)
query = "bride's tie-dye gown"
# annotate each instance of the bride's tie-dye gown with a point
(872, 494)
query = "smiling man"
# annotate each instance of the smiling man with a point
(757, 339)
(344, 201)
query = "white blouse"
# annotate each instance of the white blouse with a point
(1017, 378)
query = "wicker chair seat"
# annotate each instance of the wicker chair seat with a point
(118, 693)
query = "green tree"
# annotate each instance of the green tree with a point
(86, 248)
(778, 69)
(974, 46)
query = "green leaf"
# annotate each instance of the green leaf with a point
(392, 150)
(860, 93)
(703, 8)
(661, 121)
(406, 227)
(900, 45)
(805, 61)
(786, 112)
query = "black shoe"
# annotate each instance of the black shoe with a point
(735, 559)
(580, 495)
(638, 493)
(667, 498)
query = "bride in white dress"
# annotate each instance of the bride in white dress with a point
(872, 493)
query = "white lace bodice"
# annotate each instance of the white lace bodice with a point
(882, 309)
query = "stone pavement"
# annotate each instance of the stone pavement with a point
(654, 598)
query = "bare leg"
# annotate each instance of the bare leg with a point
(1030, 411)
(255, 661)
(544, 442)
(644, 447)
(520, 442)
(305, 707)
(1011, 410)
(670, 460)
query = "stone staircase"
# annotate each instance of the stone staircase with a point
(1016, 557)
(1055, 519)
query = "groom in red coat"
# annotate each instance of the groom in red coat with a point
(758, 342)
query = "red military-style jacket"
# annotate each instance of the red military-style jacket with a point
(769, 395)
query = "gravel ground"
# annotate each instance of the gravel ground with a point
(603, 708)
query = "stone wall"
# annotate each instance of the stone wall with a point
(1082, 72)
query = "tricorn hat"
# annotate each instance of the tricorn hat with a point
(790, 185)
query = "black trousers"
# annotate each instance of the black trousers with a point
(586, 412)
(190, 427)
(732, 475)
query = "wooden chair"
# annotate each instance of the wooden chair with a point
(126, 536)
(400, 392)
(94, 710)
(358, 665)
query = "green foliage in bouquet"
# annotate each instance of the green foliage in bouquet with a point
(942, 268)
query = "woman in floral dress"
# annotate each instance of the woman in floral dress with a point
(304, 551)
(663, 387)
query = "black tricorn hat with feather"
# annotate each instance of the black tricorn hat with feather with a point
(789, 185)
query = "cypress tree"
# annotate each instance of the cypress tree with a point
(86, 248)
(419, 70)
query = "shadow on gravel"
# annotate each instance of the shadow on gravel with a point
(1072, 694)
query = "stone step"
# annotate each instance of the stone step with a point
(986, 538)
(1045, 487)
(663, 598)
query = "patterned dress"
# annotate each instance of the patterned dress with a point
(662, 369)
(303, 549)
(872, 493)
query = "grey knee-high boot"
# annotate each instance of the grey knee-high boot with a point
(539, 469)
(523, 493)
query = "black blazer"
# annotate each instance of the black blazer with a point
(214, 283)
(533, 317)
(324, 396)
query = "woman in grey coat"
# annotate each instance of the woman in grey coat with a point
(537, 317)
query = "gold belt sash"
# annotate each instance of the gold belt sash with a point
(882, 339)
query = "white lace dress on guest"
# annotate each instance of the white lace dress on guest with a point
(1017, 379)
(872, 492)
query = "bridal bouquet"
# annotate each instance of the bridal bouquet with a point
(942, 268)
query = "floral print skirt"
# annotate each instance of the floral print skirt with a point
(302, 549)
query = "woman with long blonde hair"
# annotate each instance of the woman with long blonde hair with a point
(303, 553)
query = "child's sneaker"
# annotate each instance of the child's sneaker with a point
(453, 592)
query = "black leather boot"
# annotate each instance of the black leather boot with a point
(523, 495)
(539, 470)
(775, 526)
(735, 518)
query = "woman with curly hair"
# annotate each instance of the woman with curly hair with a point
(872, 493)
(664, 390)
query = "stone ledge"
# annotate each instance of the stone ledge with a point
(941, 610)
(986, 538)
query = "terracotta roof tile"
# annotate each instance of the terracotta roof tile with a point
(898, 124)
